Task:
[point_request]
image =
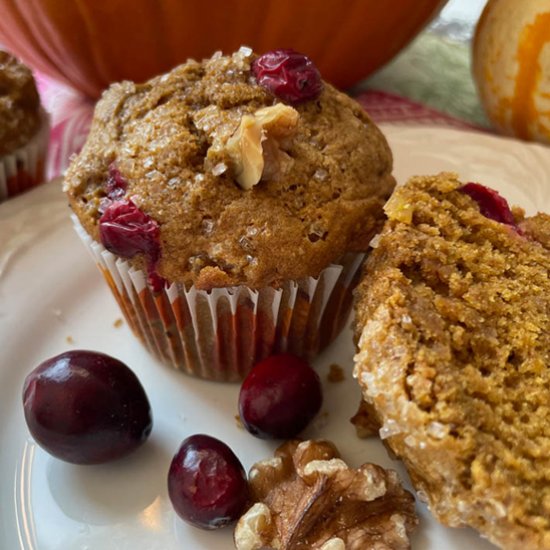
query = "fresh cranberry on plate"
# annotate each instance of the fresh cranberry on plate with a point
(86, 407)
(207, 483)
(279, 397)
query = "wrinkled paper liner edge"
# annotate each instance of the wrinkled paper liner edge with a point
(220, 334)
(25, 168)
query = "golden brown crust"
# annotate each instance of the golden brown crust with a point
(168, 138)
(19, 104)
(453, 323)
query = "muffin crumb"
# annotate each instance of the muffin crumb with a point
(239, 422)
(336, 374)
(364, 420)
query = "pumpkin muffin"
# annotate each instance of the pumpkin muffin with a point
(242, 192)
(24, 129)
(453, 325)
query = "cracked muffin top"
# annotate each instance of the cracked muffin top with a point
(19, 104)
(245, 188)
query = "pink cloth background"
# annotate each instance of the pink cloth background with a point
(72, 114)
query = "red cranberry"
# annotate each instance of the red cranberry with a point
(86, 407)
(207, 483)
(288, 75)
(156, 282)
(491, 204)
(116, 185)
(279, 397)
(126, 231)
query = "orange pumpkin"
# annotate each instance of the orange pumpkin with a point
(90, 43)
(512, 66)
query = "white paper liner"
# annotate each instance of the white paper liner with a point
(25, 167)
(220, 334)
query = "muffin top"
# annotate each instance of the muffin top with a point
(243, 187)
(19, 104)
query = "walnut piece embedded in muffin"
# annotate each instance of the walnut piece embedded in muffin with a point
(453, 323)
(192, 145)
(19, 104)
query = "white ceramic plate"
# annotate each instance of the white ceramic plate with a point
(52, 298)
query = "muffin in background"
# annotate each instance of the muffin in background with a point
(229, 203)
(24, 129)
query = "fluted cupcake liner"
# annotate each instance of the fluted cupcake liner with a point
(220, 334)
(25, 167)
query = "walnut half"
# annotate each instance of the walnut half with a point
(308, 498)
(255, 147)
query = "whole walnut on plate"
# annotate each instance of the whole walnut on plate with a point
(307, 497)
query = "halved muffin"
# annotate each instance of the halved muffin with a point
(453, 329)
